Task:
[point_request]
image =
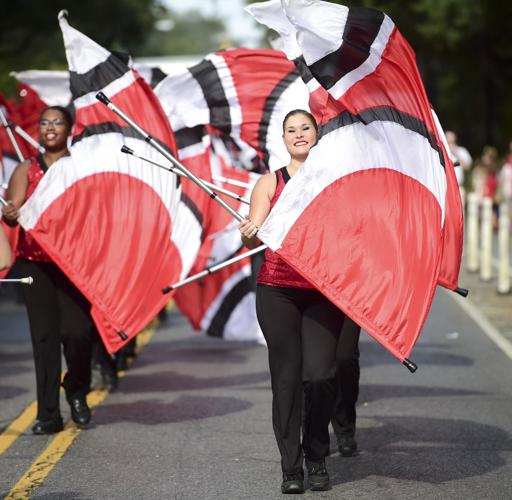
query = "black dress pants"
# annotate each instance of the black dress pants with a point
(58, 313)
(347, 379)
(301, 328)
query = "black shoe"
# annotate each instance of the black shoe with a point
(80, 412)
(47, 426)
(347, 446)
(292, 484)
(109, 380)
(318, 476)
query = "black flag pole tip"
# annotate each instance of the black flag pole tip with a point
(103, 98)
(123, 335)
(462, 291)
(127, 150)
(167, 289)
(412, 367)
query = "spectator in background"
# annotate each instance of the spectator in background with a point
(460, 155)
(484, 175)
(505, 178)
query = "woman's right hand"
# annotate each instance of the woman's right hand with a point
(247, 228)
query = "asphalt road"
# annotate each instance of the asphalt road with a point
(191, 420)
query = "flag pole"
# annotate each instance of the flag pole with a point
(233, 182)
(174, 170)
(29, 139)
(213, 269)
(24, 281)
(150, 140)
(3, 119)
(3, 201)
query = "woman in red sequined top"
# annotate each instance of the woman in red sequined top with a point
(301, 328)
(58, 313)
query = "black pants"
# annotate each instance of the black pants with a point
(301, 328)
(347, 379)
(58, 313)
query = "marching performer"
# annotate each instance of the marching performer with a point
(57, 311)
(301, 328)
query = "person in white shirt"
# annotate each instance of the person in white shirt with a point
(460, 155)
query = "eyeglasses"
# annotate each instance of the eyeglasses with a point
(56, 123)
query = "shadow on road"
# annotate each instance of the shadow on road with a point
(183, 409)
(373, 354)
(168, 381)
(429, 450)
(374, 392)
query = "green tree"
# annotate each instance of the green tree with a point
(190, 33)
(30, 36)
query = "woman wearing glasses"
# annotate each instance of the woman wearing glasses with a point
(57, 311)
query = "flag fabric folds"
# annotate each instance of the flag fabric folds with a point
(110, 221)
(222, 304)
(244, 93)
(365, 218)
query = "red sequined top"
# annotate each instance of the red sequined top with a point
(28, 248)
(275, 271)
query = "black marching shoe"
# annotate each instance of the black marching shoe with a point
(292, 484)
(347, 446)
(318, 476)
(47, 426)
(80, 412)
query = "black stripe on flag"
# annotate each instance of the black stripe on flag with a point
(361, 29)
(157, 75)
(231, 300)
(187, 200)
(97, 78)
(268, 108)
(303, 69)
(384, 114)
(111, 127)
(189, 136)
(206, 75)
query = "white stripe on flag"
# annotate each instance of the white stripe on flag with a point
(369, 66)
(91, 156)
(226, 287)
(242, 323)
(110, 90)
(82, 52)
(228, 84)
(361, 147)
(171, 91)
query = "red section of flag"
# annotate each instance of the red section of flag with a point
(106, 255)
(336, 262)
(12, 236)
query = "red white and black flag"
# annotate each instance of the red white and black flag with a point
(364, 220)
(221, 304)
(244, 93)
(109, 220)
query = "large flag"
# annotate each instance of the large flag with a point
(221, 304)
(109, 220)
(364, 219)
(244, 93)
